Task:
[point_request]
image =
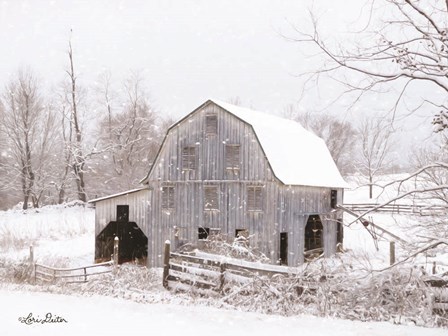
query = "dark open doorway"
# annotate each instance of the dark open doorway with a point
(133, 243)
(313, 233)
(122, 213)
(340, 233)
(283, 248)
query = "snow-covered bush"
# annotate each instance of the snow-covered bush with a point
(12, 271)
(397, 295)
(238, 248)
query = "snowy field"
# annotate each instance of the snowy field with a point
(107, 316)
(63, 236)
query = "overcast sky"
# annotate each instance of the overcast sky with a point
(187, 50)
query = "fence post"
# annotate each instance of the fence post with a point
(392, 252)
(31, 261)
(116, 251)
(434, 267)
(222, 277)
(166, 263)
(31, 254)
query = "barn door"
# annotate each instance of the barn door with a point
(314, 233)
(284, 248)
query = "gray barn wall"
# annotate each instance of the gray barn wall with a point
(139, 209)
(286, 208)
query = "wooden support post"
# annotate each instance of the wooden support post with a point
(85, 274)
(31, 263)
(434, 267)
(166, 263)
(31, 255)
(222, 277)
(392, 252)
(116, 251)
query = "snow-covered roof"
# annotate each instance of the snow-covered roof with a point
(118, 194)
(297, 156)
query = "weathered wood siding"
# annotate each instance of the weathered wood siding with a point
(297, 203)
(211, 150)
(285, 208)
(139, 209)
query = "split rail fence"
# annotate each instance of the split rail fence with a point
(184, 272)
(419, 209)
(81, 274)
(70, 275)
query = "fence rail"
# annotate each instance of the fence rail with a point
(184, 272)
(397, 208)
(70, 275)
(207, 276)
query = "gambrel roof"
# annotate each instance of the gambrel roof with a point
(296, 156)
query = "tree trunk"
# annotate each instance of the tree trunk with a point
(61, 195)
(78, 168)
(25, 202)
(79, 159)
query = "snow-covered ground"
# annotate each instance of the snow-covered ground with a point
(101, 315)
(64, 236)
(61, 233)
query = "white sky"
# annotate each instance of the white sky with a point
(187, 50)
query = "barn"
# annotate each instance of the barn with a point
(233, 171)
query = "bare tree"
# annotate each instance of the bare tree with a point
(433, 174)
(403, 48)
(76, 137)
(400, 57)
(63, 167)
(28, 127)
(9, 193)
(374, 158)
(129, 133)
(340, 136)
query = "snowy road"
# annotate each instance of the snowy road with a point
(107, 316)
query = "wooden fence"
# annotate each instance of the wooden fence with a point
(439, 290)
(70, 275)
(183, 272)
(206, 276)
(419, 209)
(186, 272)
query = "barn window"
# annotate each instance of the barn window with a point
(123, 213)
(168, 197)
(334, 199)
(203, 233)
(211, 197)
(211, 124)
(189, 158)
(242, 233)
(255, 198)
(232, 157)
